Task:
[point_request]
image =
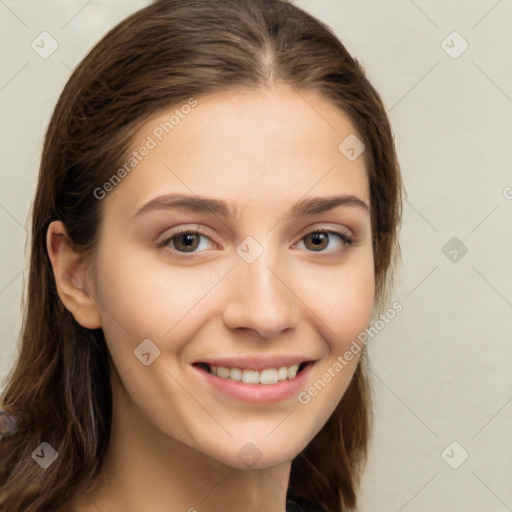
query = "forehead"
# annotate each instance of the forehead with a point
(252, 146)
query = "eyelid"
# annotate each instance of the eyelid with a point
(186, 228)
(337, 229)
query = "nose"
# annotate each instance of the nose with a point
(261, 298)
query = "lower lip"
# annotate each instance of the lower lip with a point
(260, 394)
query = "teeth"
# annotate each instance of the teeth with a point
(282, 373)
(234, 373)
(267, 376)
(222, 372)
(292, 371)
(250, 377)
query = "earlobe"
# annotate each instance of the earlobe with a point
(74, 287)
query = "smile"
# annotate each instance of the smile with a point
(248, 376)
(261, 386)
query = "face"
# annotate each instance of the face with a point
(241, 283)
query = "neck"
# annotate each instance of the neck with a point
(146, 470)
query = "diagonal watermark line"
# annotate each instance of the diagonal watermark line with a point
(407, 503)
(492, 81)
(280, 423)
(216, 485)
(311, 188)
(126, 373)
(204, 295)
(483, 483)
(2, 1)
(13, 217)
(291, 86)
(425, 14)
(193, 192)
(275, 480)
(495, 289)
(300, 299)
(421, 79)
(199, 403)
(83, 494)
(79, 285)
(492, 419)
(14, 76)
(484, 218)
(485, 14)
(111, 316)
(69, 67)
(12, 280)
(422, 280)
(76, 14)
(422, 216)
(411, 410)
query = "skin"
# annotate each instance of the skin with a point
(175, 439)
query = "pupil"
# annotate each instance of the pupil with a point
(187, 240)
(318, 238)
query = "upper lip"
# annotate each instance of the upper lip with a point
(255, 362)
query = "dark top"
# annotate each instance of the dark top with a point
(296, 504)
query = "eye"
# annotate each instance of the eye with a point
(189, 240)
(320, 238)
(186, 241)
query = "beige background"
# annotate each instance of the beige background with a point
(441, 368)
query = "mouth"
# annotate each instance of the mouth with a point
(256, 381)
(263, 376)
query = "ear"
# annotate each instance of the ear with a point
(74, 286)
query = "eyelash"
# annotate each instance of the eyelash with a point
(346, 239)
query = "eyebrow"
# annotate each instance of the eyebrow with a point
(202, 204)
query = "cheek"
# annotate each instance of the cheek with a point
(345, 310)
(354, 303)
(141, 301)
(342, 298)
(128, 299)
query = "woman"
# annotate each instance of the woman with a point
(158, 373)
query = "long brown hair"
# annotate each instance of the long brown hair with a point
(156, 58)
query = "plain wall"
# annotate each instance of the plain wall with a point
(441, 367)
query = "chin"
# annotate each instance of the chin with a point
(256, 456)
